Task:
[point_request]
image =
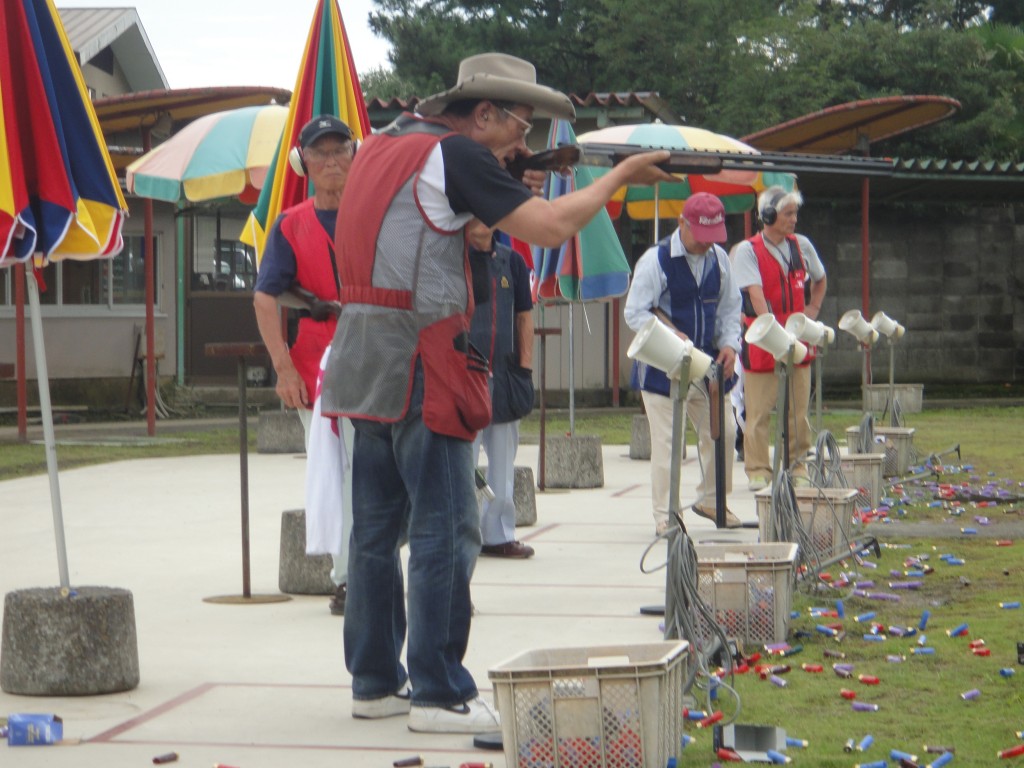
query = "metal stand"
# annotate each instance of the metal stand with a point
(821, 352)
(543, 333)
(718, 433)
(241, 351)
(783, 370)
(893, 419)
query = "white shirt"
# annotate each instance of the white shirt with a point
(649, 290)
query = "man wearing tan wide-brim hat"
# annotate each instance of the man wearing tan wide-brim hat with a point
(402, 368)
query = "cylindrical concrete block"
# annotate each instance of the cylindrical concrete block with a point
(81, 643)
(640, 440)
(524, 496)
(280, 432)
(573, 461)
(299, 573)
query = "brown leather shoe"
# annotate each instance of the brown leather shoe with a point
(510, 549)
(731, 521)
(337, 603)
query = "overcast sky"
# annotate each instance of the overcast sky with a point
(240, 42)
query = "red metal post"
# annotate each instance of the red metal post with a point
(150, 277)
(19, 355)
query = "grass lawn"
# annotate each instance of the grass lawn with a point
(919, 696)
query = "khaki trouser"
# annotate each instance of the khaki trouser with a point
(760, 391)
(698, 411)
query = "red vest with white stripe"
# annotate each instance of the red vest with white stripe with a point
(784, 294)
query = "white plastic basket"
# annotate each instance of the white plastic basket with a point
(827, 516)
(613, 706)
(749, 587)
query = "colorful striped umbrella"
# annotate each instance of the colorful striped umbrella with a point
(737, 189)
(591, 265)
(224, 154)
(327, 83)
(59, 196)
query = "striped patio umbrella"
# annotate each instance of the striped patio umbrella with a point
(737, 189)
(327, 83)
(224, 154)
(591, 265)
(59, 196)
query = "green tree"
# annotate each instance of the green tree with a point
(429, 38)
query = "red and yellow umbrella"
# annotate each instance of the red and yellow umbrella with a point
(327, 83)
(59, 196)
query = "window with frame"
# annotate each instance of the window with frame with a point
(117, 281)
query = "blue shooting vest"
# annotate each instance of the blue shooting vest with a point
(693, 307)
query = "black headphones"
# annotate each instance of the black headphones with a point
(769, 213)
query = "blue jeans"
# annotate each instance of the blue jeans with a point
(407, 478)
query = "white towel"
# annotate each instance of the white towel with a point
(327, 462)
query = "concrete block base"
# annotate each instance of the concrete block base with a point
(573, 462)
(81, 643)
(640, 440)
(280, 432)
(909, 396)
(299, 573)
(524, 496)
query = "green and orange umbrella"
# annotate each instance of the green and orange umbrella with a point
(327, 83)
(737, 189)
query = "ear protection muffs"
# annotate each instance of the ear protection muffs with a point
(296, 162)
(769, 213)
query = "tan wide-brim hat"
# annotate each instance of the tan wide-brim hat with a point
(500, 77)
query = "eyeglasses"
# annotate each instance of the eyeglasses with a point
(323, 155)
(527, 127)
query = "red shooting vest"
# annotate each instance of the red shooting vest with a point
(314, 253)
(784, 293)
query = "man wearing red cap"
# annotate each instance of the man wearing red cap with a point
(686, 281)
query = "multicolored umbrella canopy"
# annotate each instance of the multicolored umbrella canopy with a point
(224, 154)
(591, 265)
(737, 189)
(327, 83)
(59, 196)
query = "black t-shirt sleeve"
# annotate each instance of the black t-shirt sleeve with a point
(475, 182)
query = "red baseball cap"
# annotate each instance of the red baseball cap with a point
(706, 216)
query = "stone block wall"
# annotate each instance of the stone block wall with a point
(954, 277)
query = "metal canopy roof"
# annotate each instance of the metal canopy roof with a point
(856, 125)
(851, 127)
(146, 108)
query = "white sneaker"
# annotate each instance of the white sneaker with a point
(386, 706)
(757, 482)
(473, 716)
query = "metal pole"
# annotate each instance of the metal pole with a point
(720, 450)
(243, 463)
(817, 389)
(149, 271)
(572, 376)
(19, 355)
(49, 439)
(892, 383)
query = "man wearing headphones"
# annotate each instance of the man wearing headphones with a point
(686, 281)
(299, 253)
(777, 271)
